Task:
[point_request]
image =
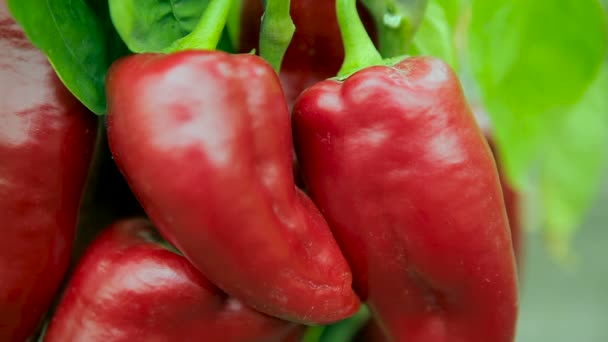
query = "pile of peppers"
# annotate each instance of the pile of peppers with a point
(245, 197)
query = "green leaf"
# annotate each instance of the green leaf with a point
(573, 165)
(114, 45)
(435, 35)
(532, 59)
(153, 25)
(74, 40)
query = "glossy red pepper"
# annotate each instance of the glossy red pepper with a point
(129, 287)
(204, 141)
(395, 161)
(46, 142)
(372, 332)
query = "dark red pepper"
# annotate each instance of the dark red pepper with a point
(394, 159)
(46, 143)
(129, 287)
(204, 141)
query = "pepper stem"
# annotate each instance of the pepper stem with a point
(276, 32)
(208, 31)
(359, 50)
(396, 23)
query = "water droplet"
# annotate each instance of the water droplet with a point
(392, 20)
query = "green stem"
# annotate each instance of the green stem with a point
(233, 25)
(208, 31)
(346, 330)
(359, 50)
(396, 23)
(276, 32)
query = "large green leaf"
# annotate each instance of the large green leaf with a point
(573, 164)
(74, 39)
(532, 59)
(153, 25)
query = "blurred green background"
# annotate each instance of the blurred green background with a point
(568, 302)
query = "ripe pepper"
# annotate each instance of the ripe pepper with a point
(204, 140)
(129, 287)
(397, 164)
(46, 142)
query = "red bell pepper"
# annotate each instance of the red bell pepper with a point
(129, 287)
(204, 140)
(372, 332)
(46, 142)
(397, 164)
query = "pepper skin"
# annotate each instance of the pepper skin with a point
(46, 143)
(128, 287)
(315, 52)
(395, 161)
(204, 141)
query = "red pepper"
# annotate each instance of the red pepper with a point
(394, 159)
(204, 141)
(397, 164)
(46, 142)
(372, 332)
(129, 287)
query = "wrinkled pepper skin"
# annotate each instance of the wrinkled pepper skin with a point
(46, 143)
(204, 141)
(129, 287)
(395, 161)
(315, 52)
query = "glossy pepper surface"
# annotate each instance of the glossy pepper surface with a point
(395, 161)
(204, 141)
(129, 287)
(46, 142)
